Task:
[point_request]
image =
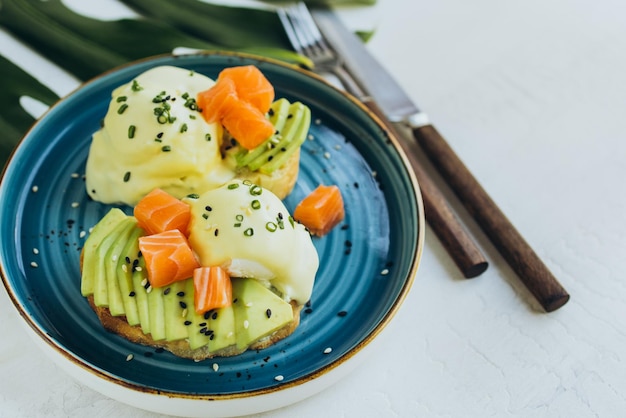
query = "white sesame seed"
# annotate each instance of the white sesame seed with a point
(149, 289)
(35, 251)
(75, 175)
(33, 264)
(246, 324)
(138, 268)
(91, 229)
(35, 189)
(184, 313)
(75, 204)
(249, 304)
(144, 282)
(327, 155)
(82, 234)
(129, 357)
(318, 121)
(124, 268)
(337, 147)
(310, 137)
(384, 272)
(114, 257)
(216, 367)
(279, 378)
(328, 350)
(230, 334)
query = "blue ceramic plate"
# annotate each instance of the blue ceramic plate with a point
(367, 264)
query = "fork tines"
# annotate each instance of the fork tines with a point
(302, 31)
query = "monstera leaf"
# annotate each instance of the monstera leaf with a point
(14, 120)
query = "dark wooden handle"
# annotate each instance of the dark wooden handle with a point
(515, 250)
(455, 239)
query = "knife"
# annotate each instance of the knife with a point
(371, 75)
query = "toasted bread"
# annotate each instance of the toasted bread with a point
(118, 325)
(181, 348)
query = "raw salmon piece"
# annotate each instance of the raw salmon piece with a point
(168, 257)
(251, 85)
(159, 211)
(212, 289)
(321, 210)
(217, 100)
(247, 125)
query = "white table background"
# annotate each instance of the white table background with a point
(532, 96)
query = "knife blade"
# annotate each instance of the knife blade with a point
(372, 76)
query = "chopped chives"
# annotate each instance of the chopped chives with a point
(183, 128)
(166, 148)
(122, 108)
(248, 232)
(126, 176)
(121, 99)
(255, 204)
(131, 131)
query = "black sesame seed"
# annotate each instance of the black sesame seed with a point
(342, 313)
(182, 304)
(181, 294)
(207, 315)
(208, 208)
(132, 293)
(203, 330)
(159, 350)
(214, 316)
(344, 227)
(167, 291)
(268, 313)
(217, 231)
(127, 260)
(308, 310)
(187, 322)
(148, 354)
(202, 324)
(348, 243)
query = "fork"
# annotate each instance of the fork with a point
(307, 40)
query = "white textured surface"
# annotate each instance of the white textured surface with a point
(532, 96)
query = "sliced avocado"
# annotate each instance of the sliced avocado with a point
(125, 275)
(142, 300)
(157, 313)
(258, 311)
(100, 230)
(101, 290)
(112, 264)
(176, 310)
(195, 322)
(222, 328)
(293, 136)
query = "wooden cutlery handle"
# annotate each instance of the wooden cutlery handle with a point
(452, 235)
(515, 250)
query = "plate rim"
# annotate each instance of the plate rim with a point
(344, 358)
